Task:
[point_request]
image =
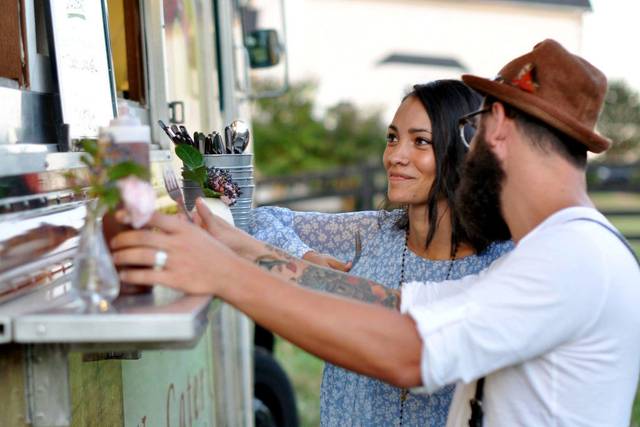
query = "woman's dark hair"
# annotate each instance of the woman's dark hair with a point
(445, 102)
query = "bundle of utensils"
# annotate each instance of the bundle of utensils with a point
(236, 138)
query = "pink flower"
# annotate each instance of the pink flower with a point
(139, 200)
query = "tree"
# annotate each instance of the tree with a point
(289, 139)
(620, 121)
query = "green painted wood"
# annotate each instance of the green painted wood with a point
(12, 386)
(96, 392)
(170, 387)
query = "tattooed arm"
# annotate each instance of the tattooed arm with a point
(324, 279)
(299, 271)
(363, 337)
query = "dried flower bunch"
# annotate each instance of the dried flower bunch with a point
(219, 180)
(213, 182)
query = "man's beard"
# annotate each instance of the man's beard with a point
(478, 196)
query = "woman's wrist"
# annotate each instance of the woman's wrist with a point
(250, 248)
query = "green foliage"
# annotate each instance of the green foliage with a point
(128, 168)
(90, 146)
(620, 121)
(198, 175)
(289, 138)
(195, 169)
(191, 158)
(210, 193)
(193, 162)
(105, 168)
(110, 196)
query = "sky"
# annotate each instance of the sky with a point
(611, 39)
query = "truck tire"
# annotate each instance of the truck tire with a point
(276, 406)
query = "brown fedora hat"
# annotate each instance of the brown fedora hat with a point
(559, 88)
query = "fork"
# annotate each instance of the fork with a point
(356, 258)
(173, 188)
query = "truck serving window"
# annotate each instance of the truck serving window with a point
(125, 34)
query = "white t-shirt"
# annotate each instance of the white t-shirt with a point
(554, 326)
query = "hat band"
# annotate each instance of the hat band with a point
(525, 80)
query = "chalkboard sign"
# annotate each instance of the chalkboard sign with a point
(83, 65)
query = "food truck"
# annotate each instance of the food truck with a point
(154, 359)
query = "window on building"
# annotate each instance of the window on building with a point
(14, 67)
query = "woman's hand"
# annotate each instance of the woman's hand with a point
(233, 238)
(325, 260)
(196, 263)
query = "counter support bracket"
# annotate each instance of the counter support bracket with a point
(48, 390)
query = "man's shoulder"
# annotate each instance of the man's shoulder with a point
(578, 243)
(579, 228)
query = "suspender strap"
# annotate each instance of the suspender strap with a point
(614, 232)
(477, 414)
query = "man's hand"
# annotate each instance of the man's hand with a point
(324, 260)
(196, 262)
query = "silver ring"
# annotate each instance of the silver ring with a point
(160, 260)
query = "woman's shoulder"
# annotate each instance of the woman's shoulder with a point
(492, 252)
(475, 263)
(497, 249)
(389, 220)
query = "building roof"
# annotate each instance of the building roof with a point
(434, 61)
(583, 4)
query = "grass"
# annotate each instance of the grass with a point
(621, 202)
(616, 200)
(305, 371)
(635, 412)
(627, 225)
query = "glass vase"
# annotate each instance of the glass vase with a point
(94, 277)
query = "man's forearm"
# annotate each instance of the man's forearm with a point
(324, 279)
(365, 338)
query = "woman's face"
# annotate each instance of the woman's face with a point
(409, 158)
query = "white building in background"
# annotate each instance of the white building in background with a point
(370, 52)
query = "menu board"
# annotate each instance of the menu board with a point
(82, 57)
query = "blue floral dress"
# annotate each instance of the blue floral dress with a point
(349, 399)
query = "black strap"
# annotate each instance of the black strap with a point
(477, 414)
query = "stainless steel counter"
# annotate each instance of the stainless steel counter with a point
(162, 319)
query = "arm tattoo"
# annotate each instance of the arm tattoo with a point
(336, 282)
(269, 263)
(327, 280)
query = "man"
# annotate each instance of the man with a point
(552, 327)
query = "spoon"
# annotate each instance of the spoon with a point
(239, 136)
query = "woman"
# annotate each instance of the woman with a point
(423, 242)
